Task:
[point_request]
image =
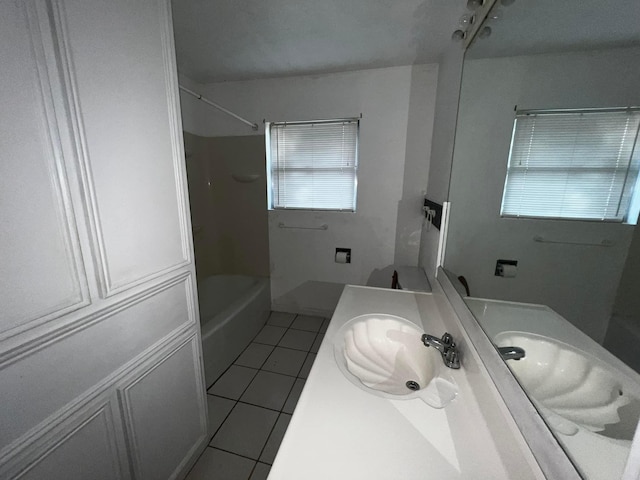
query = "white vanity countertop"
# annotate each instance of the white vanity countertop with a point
(339, 431)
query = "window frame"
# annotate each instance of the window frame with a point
(634, 187)
(270, 179)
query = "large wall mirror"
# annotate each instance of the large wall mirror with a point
(544, 195)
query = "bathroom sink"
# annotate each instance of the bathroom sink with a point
(384, 355)
(571, 388)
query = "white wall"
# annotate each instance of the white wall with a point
(388, 195)
(422, 102)
(444, 129)
(577, 281)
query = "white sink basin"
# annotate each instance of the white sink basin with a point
(572, 388)
(384, 355)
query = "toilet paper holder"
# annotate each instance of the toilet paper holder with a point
(343, 255)
(501, 271)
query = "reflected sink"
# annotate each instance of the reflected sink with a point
(384, 355)
(571, 388)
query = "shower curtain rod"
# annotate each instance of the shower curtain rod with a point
(219, 107)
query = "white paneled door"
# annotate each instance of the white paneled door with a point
(100, 354)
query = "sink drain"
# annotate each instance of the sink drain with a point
(411, 385)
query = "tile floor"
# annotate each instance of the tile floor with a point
(250, 405)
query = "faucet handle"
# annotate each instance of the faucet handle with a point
(451, 358)
(446, 346)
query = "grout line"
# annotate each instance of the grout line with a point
(280, 326)
(257, 370)
(222, 396)
(222, 423)
(268, 437)
(248, 385)
(263, 362)
(281, 346)
(255, 404)
(253, 469)
(234, 453)
(314, 342)
(289, 393)
(302, 330)
(287, 374)
(236, 404)
(295, 315)
(262, 343)
(262, 406)
(266, 371)
(234, 361)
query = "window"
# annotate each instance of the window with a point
(313, 165)
(573, 165)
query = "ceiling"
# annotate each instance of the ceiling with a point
(220, 40)
(530, 27)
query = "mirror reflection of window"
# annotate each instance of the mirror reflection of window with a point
(573, 164)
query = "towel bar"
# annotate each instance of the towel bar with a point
(603, 243)
(324, 226)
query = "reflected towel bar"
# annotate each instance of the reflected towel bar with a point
(324, 226)
(603, 243)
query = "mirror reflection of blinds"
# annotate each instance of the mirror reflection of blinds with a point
(314, 165)
(572, 164)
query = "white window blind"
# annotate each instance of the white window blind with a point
(313, 165)
(572, 164)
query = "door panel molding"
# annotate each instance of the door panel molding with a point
(143, 361)
(47, 440)
(59, 185)
(175, 125)
(128, 404)
(24, 348)
(100, 270)
(108, 285)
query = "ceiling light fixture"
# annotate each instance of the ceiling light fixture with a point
(485, 32)
(466, 20)
(459, 35)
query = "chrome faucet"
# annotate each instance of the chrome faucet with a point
(446, 346)
(511, 353)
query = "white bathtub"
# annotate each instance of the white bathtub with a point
(233, 309)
